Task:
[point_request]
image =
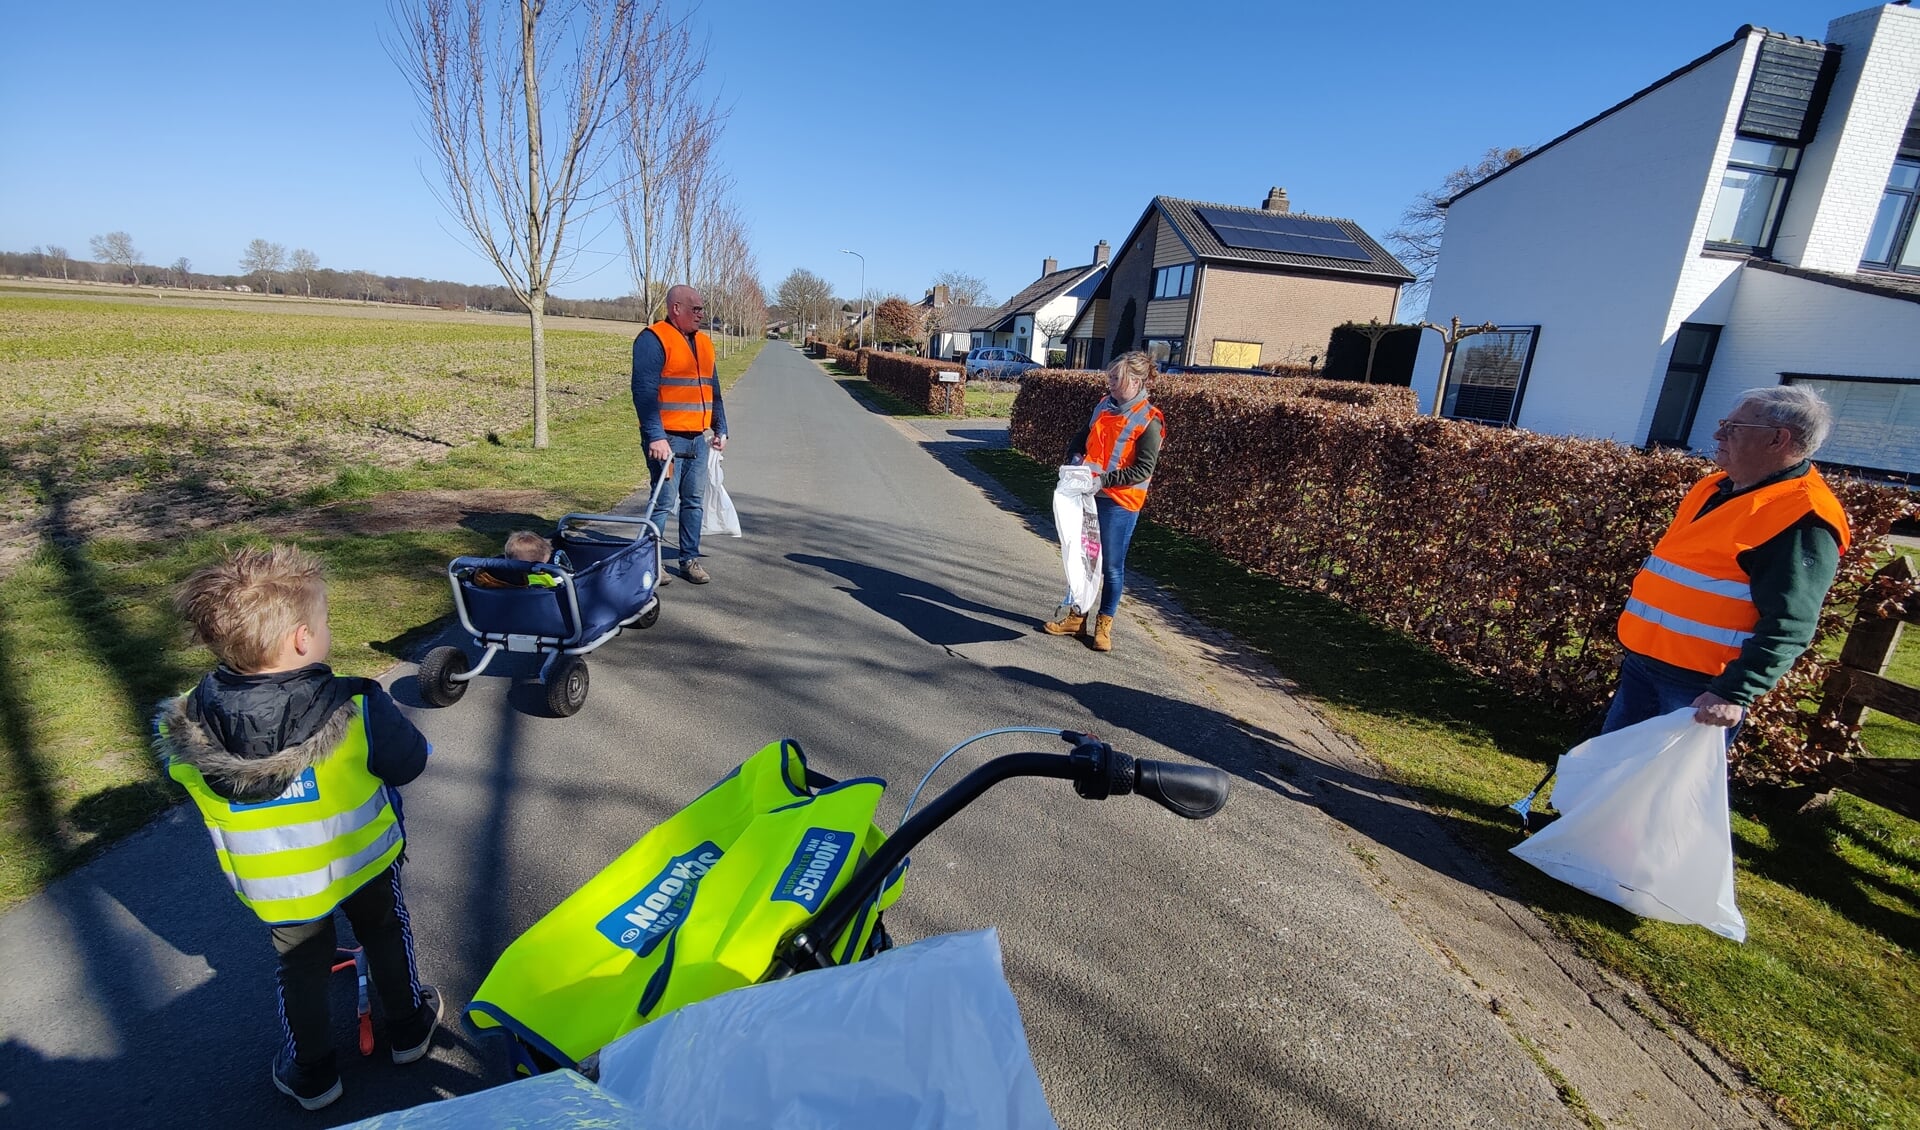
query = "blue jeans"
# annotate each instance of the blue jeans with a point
(685, 491)
(1116, 534)
(1645, 693)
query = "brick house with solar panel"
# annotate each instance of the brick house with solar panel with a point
(1214, 284)
(1751, 219)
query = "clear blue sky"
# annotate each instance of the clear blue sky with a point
(981, 137)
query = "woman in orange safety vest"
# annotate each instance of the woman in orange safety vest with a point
(1121, 444)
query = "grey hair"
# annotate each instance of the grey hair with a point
(1796, 408)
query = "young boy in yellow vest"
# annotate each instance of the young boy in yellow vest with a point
(296, 772)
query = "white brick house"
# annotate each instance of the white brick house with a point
(1750, 219)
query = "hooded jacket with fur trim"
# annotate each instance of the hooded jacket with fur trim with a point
(251, 735)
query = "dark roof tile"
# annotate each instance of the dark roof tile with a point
(1207, 246)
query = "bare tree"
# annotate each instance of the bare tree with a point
(304, 263)
(58, 255)
(363, 282)
(1049, 331)
(661, 117)
(964, 289)
(808, 298)
(116, 248)
(183, 272)
(1417, 240)
(478, 77)
(265, 259)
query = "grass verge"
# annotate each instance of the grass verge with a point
(89, 643)
(1822, 1003)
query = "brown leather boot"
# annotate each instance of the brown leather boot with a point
(1066, 625)
(1103, 634)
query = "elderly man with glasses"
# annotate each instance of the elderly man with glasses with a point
(676, 393)
(1733, 591)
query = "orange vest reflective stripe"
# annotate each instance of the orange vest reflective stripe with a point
(687, 382)
(1111, 436)
(1691, 606)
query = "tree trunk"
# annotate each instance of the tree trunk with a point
(537, 310)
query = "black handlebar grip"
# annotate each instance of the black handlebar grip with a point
(1193, 791)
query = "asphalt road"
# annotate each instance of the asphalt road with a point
(1242, 971)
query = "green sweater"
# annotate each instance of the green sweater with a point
(1789, 574)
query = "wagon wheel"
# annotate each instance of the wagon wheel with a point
(437, 685)
(648, 618)
(567, 686)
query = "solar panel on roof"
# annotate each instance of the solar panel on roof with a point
(1277, 231)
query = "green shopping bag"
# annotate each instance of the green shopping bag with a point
(693, 909)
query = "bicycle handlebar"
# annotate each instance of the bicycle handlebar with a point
(1097, 771)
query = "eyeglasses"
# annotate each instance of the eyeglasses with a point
(1725, 424)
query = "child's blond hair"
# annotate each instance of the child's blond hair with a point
(525, 545)
(245, 606)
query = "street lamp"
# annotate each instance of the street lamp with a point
(860, 336)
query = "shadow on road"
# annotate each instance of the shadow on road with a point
(934, 614)
(1368, 805)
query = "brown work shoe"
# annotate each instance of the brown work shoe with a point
(1103, 634)
(696, 572)
(1066, 625)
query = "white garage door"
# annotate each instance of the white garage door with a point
(1876, 424)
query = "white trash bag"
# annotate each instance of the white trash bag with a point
(719, 517)
(924, 1035)
(1078, 525)
(1644, 823)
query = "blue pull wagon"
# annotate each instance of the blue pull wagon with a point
(601, 582)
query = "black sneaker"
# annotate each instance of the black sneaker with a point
(311, 1086)
(411, 1038)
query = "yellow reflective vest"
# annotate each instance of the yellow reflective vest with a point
(695, 908)
(296, 856)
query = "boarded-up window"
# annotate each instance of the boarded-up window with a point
(1244, 354)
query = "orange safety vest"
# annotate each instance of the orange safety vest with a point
(1111, 436)
(1691, 606)
(687, 382)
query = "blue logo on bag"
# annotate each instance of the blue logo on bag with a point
(642, 921)
(304, 789)
(808, 878)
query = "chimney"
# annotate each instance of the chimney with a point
(1276, 200)
(941, 296)
(1100, 252)
(1049, 266)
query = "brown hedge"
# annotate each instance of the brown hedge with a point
(916, 381)
(1509, 552)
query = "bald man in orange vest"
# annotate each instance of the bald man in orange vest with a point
(1733, 591)
(676, 393)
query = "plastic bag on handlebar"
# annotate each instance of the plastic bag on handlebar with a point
(926, 1034)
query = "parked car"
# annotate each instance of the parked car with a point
(998, 364)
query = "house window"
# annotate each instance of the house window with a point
(1167, 350)
(1753, 189)
(1489, 375)
(1876, 420)
(1173, 282)
(1894, 244)
(1693, 347)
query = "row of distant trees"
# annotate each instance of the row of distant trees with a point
(53, 262)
